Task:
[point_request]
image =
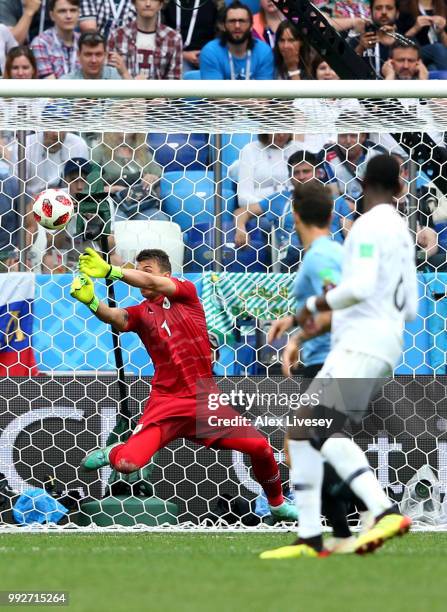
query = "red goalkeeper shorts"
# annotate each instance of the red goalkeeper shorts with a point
(179, 417)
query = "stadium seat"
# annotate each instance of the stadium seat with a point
(200, 245)
(134, 236)
(232, 144)
(253, 5)
(189, 198)
(179, 152)
(191, 75)
(437, 75)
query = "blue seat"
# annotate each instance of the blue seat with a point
(437, 75)
(191, 75)
(189, 198)
(232, 144)
(200, 245)
(253, 5)
(180, 151)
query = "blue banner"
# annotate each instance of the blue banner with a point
(67, 337)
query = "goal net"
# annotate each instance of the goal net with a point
(203, 171)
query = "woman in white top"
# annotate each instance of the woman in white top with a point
(263, 167)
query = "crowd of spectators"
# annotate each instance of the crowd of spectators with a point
(153, 39)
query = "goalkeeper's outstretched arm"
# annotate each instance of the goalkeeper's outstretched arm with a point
(92, 264)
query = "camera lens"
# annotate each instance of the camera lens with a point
(423, 489)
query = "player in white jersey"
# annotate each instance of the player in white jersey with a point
(376, 295)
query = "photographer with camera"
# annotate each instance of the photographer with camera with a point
(131, 176)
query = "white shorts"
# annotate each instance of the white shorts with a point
(343, 363)
(348, 381)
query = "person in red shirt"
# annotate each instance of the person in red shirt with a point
(172, 326)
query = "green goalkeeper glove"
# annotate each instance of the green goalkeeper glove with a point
(92, 264)
(82, 289)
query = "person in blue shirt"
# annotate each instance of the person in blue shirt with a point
(277, 210)
(236, 55)
(321, 267)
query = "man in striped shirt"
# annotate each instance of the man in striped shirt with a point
(152, 50)
(104, 16)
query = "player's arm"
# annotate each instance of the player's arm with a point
(92, 264)
(82, 289)
(358, 287)
(290, 357)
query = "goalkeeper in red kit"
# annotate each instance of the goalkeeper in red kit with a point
(171, 324)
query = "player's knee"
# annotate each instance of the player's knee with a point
(126, 464)
(262, 449)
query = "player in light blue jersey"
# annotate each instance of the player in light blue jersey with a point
(320, 269)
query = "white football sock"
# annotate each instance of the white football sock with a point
(347, 458)
(306, 471)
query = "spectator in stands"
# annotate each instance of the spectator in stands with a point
(20, 64)
(277, 210)
(405, 64)
(291, 52)
(197, 27)
(26, 18)
(374, 44)
(55, 49)
(321, 71)
(236, 55)
(92, 56)
(46, 154)
(105, 16)
(351, 8)
(151, 50)
(267, 21)
(427, 26)
(325, 111)
(7, 42)
(347, 161)
(130, 175)
(262, 167)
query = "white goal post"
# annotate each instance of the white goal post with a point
(196, 131)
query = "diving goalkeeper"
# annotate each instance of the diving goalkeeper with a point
(171, 324)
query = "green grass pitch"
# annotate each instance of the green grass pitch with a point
(190, 572)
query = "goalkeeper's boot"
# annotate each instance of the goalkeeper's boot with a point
(341, 546)
(300, 548)
(284, 512)
(98, 458)
(388, 525)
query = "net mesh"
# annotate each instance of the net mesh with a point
(222, 116)
(177, 174)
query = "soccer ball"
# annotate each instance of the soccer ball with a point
(53, 209)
